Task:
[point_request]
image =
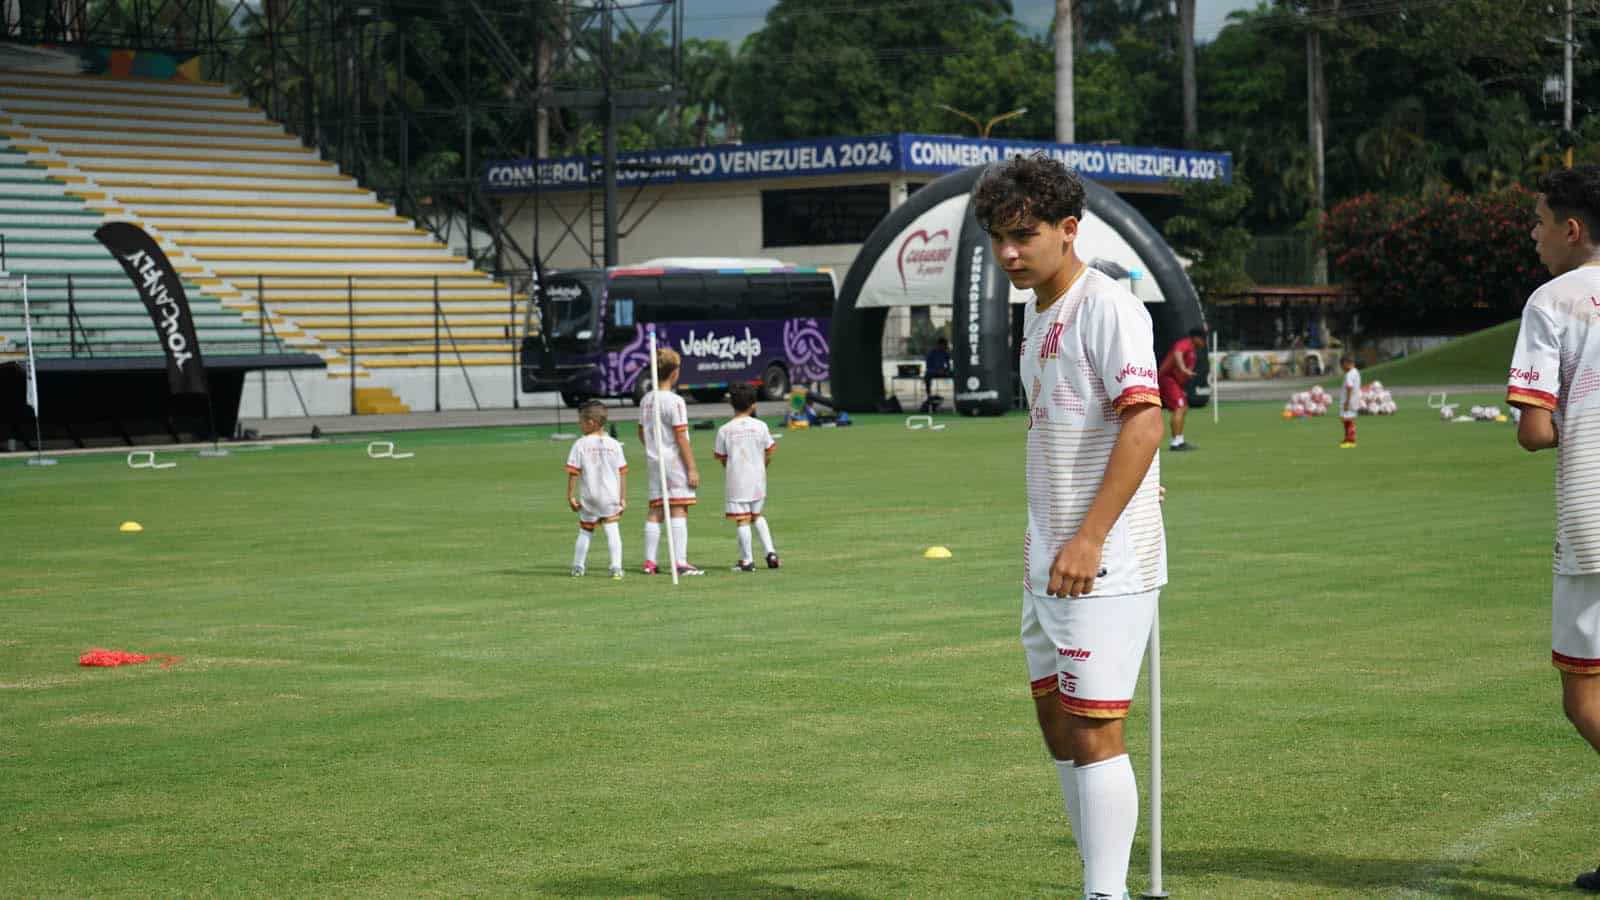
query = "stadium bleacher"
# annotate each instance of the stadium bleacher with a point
(83, 304)
(258, 217)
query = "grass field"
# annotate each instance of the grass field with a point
(390, 685)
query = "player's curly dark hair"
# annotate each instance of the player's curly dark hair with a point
(1024, 186)
(1574, 193)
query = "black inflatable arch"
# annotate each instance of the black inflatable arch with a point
(980, 348)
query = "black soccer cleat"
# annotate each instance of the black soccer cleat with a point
(744, 565)
(772, 560)
(1181, 448)
(1589, 881)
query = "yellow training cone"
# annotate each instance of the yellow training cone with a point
(130, 526)
(937, 553)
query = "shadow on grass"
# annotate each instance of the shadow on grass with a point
(753, 882)
(562, 572)
(1428, 877)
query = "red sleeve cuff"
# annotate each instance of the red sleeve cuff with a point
(1531, 397)
(623, 470)
(680, 428)
(720, 456)
(574, 470)
(1137, 395)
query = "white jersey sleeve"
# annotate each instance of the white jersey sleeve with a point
(1535, 376)
(1120, 345)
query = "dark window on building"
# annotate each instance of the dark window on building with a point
(807, 218)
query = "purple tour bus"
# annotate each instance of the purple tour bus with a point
(765, 325)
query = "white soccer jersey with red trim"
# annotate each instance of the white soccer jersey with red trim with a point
(1084, 360)
(743, 444)
(598, 462)
(1556, 366)
(661, 442)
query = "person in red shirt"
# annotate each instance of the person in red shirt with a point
(1173, 377)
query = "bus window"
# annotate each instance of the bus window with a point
(571, 325)
(811, 295)
(766, 297)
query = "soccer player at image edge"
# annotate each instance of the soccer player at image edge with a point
(1555, 382)
(1094, 555)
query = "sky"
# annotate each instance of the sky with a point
(731, 20)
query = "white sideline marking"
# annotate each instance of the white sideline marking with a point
(1472, 844)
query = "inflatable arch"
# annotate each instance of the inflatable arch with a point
(931, 251)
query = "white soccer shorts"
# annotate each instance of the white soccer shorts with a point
(737, 510)
(1087, 650)
(677, 485)
(1575, 624)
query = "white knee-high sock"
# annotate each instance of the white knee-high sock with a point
(1069, 794)
(765, 534)
(580, 554)
(680, 538)
(1108, 803)
(652, 540)
(614, 543)
(744, 542)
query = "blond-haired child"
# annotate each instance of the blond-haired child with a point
(664, 432)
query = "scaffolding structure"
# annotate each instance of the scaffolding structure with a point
(413, 97)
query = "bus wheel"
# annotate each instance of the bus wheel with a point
(775, 383)
(572, 399)
(641, 386)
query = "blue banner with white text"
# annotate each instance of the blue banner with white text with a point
(905, 153)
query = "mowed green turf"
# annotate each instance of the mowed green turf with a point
(390, 685)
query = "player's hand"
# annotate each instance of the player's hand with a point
(572, 502)
(622, 506)
(1161, 493)
(1075, 568)
(694, 478)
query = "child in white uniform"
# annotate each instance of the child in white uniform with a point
(597, 486)
(744, 447)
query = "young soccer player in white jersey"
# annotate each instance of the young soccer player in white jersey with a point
(1555, 381)
(744, 447)
(1349, 400)
(597, 487)
(664, 432)
(1095, 550)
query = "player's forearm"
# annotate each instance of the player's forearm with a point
(1536, 430)
(1130, 460)
(682, 440)
(572, 485)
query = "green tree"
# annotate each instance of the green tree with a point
(1208, 232)
(852, 67)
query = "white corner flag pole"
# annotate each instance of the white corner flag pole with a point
(661, 453)
(1155, 752)
(32, 376)
(1216, 388)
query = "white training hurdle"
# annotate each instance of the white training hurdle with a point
(385, 450)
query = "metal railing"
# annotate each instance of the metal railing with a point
(427, 304)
